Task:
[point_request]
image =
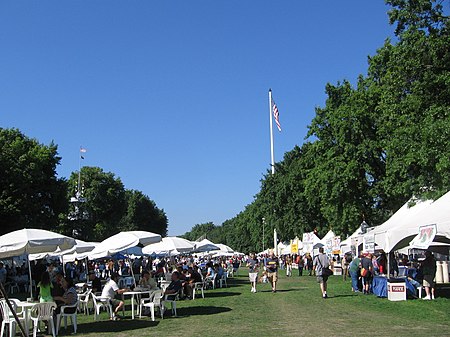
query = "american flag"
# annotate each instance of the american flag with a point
(276, 115)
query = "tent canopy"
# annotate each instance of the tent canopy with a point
(205, 246)
(403, 226)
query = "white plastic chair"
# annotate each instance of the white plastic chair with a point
(199, 286)
(145, 299)
(8, 317)
(154, 301)
(43, 312)
(65, 312)
(172, 299)
(21, 314)
(230, 271)
(211, 281)
(83, 301)
(99, 303)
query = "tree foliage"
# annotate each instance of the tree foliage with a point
(31, 194)
(371, 147)
(109, 208)
(142, 214)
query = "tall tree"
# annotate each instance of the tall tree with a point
(30, 194)
(142, 214)
(99, 216)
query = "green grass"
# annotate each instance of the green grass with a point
(297, 309)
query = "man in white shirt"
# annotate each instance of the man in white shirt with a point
(110, 290)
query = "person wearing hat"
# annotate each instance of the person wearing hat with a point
(96, 284)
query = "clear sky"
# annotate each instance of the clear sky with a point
(172, 96)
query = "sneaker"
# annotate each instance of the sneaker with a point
(324, 296)
(427, 298)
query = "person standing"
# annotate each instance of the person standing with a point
(429, 272)
(272, 270)
(353, 269)
(288, 266)
(45, 288)
(3, 274)
(252, 265)
(345, 263)
(309, 263)
(321, 262)
(367, 274)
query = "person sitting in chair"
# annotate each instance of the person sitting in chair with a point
(174, 286)
(110, 290)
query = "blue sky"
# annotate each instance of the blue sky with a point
(172, 96)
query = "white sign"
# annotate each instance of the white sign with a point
(425, 237)
(369, 243)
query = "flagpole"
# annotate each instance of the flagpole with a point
(78, 194)
(272, 163)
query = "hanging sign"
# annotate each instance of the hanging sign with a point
(425, 237)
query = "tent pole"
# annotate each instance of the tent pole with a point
(132, 273)
(31, 279)
(389, 265)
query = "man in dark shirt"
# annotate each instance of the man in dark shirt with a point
(174, 286)
(194, 277)
(366, 264)
(96, 283)
(272, 270)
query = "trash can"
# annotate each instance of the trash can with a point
(396, 289)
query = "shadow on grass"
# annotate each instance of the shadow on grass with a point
(234, 282)
(110, 326)
(200, 310)
(221, 294)
(336, 296)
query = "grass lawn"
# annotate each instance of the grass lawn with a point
(297, 309)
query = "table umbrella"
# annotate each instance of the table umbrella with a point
(32, 241)
(171, 245)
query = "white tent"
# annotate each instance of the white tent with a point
(403, 226)
(224, 248)
(205, 246)
(123, 241)
(328, 236)
(170, 246)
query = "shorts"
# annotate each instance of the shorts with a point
(322, 279)
(428, 281)
(114, 302)
(253, 277)
(272, 276)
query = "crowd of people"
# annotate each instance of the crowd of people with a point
(361, 269)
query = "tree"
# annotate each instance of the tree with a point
(142, 214)
(200, 231)
(30, 193)
(100, 215)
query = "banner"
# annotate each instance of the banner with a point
(308, 242)
(336, 245)
(425, 237)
